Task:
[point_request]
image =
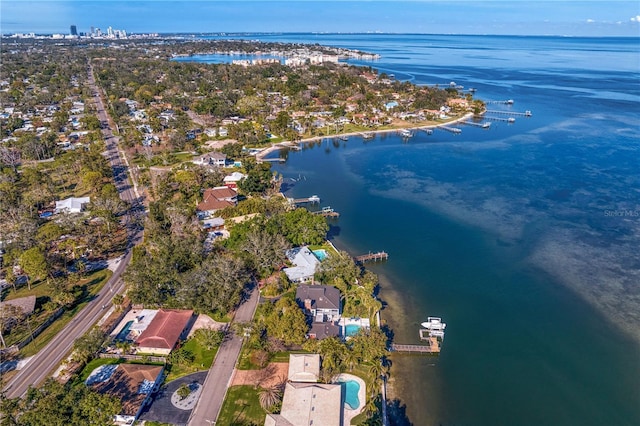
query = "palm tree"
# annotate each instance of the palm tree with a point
(270, 396)
(350, 359)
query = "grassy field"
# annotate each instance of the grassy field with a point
(95, 363)
(203, 360)
(241, 406)
(93, 282)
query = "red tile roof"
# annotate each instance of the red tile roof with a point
(217, 198)
(165, 329)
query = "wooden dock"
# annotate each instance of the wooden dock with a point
(313, 199)
(327, 212)
(483, 125)
(506, 120)
(454, 130)
(512, 113)
(416, 349)
(371, 257)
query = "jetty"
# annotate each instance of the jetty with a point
(527, 113)
(506, 120)
(327, 212)
(311, 200)
(367, 135)
(483, 125)
(372, 257)
(432, 333)
(406, 133)
(433, 347)
(454, 130)
(507, 102)
(274, 160)
(427, 130)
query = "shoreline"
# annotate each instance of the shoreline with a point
(287, 144)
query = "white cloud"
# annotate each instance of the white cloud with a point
(590, 21)
(635, 18)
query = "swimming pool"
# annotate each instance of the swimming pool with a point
(351, 394)
(351, 329)
(122, 336)
(321, 254)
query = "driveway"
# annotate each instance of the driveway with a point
(163, 410)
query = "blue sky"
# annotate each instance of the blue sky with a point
(521, 17)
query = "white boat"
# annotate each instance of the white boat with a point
(406, 133)
(434, 324)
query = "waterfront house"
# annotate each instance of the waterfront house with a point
(304, 368)
(321, 302)
(215, 199)
(214, 158)
(232, 180)
(304, 264)
(306, 402)
(132, 384)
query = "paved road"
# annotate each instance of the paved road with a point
(221, 372)
(47, 360)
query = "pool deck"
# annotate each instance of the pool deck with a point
(348, 413)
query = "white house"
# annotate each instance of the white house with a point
(232, 180)
(211, 159)
(305, 264)
(72, 205)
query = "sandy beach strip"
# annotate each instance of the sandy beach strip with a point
(286, 144)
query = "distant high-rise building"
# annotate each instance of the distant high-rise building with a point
(93, 30)
(74, 30)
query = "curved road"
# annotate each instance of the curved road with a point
(44, 362)
(221, 372)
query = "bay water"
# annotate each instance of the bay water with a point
(523, 237)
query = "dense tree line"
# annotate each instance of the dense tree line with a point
(56, 404)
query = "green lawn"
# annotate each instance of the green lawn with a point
(241, 407)
(94, 283)
(44, 288)
(203, 360)
(95, 363)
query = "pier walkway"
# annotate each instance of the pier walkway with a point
(313, 199)
(507, 102)
(327, 212)
(454, 130)
(506, 120)
(512, 113)
(483, 125)
(372, 257)
(415, 349)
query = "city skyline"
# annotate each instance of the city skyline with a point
(516, 17)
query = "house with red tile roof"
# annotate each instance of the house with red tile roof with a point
(215, 199)
(165, 330)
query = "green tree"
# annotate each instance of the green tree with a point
(181, 356)
(333, 352)
(301, 227)
(271, 396)
(86, 346)
(34, 264)
(184, 391)
(286, 322)
(56, 404)
(209, 337)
